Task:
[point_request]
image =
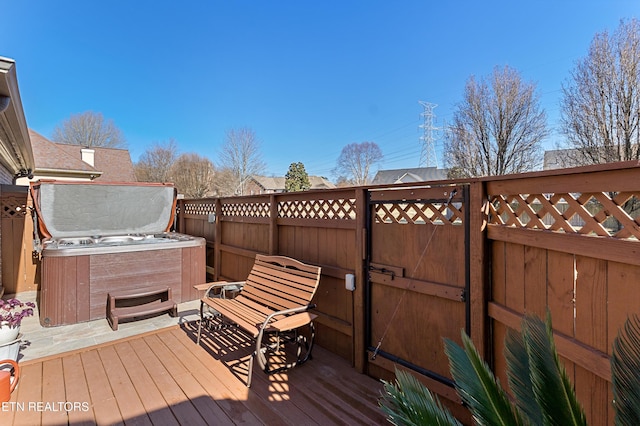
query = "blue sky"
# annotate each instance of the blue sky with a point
(307, 77)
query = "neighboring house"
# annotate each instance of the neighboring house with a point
(574, 157)
(420, 174)
(560, 159)
(269, 185)
(64, 161)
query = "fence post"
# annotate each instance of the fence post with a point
(217, 263)
(273, 225)
(478, 266)
(181, 216)
(359, 343)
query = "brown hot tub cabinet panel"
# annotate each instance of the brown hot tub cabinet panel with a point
(64, 292)
(75, 288)
(101, 238)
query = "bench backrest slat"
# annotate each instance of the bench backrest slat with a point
(278, 283)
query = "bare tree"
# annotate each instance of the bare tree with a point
(89, 129)
(241, 157)
(156, 162)
(193, 175)
(356, 160)
(498, 127)
(601, 100)
(224, 183)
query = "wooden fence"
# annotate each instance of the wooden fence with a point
(315, 227)
(19, 266)
(567, 241)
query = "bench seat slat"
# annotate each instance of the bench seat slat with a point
(285, 276)
(280, 289)
(298, 266)
(272, 300)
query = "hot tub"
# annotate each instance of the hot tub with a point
(98, 238)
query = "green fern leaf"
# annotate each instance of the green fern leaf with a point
(551, 385)
(478, 387)
(519, 375)
(409, 402)
(625, 373)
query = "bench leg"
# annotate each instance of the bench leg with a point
(253, 355)
(303, 346)
(200, 322)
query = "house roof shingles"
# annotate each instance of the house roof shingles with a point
(277, 183)
(49, 155)
(115, 164)
(418, 174)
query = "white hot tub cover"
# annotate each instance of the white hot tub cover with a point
(80, 209)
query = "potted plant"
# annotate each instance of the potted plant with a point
(12, 311)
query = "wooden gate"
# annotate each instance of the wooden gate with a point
(18, 264)
(418, 257)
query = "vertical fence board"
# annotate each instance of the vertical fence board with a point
(592, 392)
(498, 273)
(591, 302)
(535, 281)
(514, 291)
(622, 295)
(560, 281)
(499, 362)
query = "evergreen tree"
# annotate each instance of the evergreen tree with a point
(296, 178)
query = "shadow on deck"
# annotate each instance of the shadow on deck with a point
(164, 378)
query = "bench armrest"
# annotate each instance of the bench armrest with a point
(298, 310)
(225, 286)
(293, 321)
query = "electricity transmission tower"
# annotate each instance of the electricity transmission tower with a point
(428, 154)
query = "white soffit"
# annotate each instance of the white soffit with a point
(15, 146)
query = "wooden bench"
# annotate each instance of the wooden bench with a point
(139, 302)
(273, 303)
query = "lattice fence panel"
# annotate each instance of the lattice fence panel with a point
(13, 208)
(604, 214)
(340, 209)
(419, 212)
(246, 209)
(199, 208)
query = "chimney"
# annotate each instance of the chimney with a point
(88, 156)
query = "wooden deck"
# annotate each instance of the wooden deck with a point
(164, 378)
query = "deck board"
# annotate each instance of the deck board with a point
(28, 390)
(77, 390)
(103, 399)
(151, 398)
(52, 376)
(225, 399)
(164, 378)
(126, 397)
(204, 405)
(175, 398)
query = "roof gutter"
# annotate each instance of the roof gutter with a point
(60, 172)
(16, 154)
